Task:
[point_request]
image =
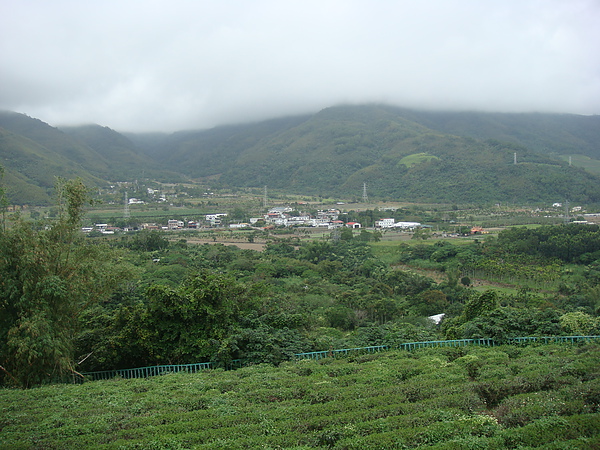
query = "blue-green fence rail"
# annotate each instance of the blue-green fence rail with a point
(150, 371)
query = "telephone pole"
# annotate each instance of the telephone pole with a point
(265, 198)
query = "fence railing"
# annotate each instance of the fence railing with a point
(150, 371)
(341, 352)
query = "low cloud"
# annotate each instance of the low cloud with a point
(158, 65)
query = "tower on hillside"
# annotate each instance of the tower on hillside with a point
(126, 212)
(515, 158)
(365, 197)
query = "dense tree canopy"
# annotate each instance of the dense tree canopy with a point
(47, 278)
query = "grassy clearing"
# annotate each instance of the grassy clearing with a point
(589, 164)
(501, 397)
(416, 158)
(482, 286)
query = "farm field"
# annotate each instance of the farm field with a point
(539, 396)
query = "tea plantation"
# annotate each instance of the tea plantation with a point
(536, 396)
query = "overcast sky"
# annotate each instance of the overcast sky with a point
(179, 64)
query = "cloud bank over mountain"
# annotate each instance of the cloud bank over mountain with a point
(158, 65)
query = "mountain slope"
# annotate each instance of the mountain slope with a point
(338, 149)
(33, 153)
(400, 154)
(560, 134)
(209, 152)
(53, 140)
(30, 169)
(123, 159)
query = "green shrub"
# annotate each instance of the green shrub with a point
(522, 409)
(549, 430)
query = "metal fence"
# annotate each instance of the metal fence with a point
(150, 371)
(341, 352)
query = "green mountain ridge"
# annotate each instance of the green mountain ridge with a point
(30, 169)
(33, 154)
(336, 150)
(123, 157)
(465, 157)
(545, 133)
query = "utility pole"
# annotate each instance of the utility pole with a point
(265, 198)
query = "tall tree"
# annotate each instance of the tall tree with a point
(48, 276)
(3, 201)
(188, 323)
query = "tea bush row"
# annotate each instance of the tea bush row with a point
(427, 399)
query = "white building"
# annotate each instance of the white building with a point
(407, 225)
(239, 225)
(215, 219)
(298, 220)
(385, 223)
(319, 222)
(280, 210)
(174, 224)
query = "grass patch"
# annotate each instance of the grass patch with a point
(416, 158)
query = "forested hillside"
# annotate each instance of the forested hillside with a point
(406, 155)
(560, 134)
(400, 154)
(124, 159)
(33, 154)
(110, 146)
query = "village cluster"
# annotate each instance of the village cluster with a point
(275, 218)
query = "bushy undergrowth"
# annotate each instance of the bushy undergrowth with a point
(544, 396)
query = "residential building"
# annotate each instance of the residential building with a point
(385, 223)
